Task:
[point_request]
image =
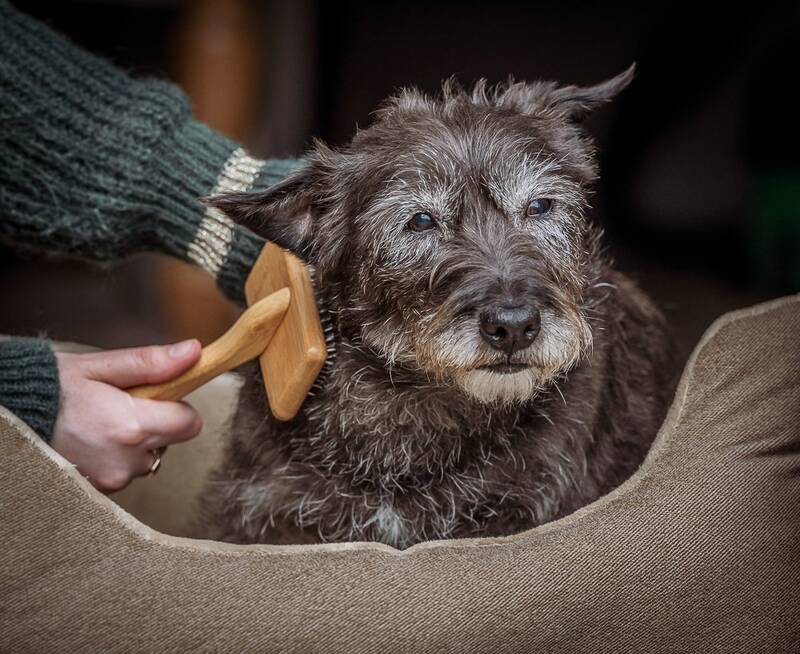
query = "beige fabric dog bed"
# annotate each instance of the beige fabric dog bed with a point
(698, 552)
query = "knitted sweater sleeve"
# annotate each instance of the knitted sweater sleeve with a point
(99, 165)
(29, 382)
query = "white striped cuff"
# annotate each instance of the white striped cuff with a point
(212, 242)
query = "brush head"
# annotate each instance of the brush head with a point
(295, 355)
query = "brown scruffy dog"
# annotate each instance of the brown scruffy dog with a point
(489, 371)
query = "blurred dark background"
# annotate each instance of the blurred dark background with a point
(700, 172)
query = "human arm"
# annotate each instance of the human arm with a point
(76, 403)
(100, 165)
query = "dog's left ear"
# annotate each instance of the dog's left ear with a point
(576, 102)
(281, 214)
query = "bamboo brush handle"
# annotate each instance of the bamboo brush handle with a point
(247, 339)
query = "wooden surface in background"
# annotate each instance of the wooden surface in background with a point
(218, 61)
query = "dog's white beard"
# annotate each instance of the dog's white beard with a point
(556, 350)
(487, 386)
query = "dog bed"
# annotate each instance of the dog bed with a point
(698, 552)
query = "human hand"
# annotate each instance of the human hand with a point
(107, 433)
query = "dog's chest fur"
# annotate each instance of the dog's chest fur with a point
(384, 456)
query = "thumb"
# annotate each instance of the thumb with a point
(141, 365)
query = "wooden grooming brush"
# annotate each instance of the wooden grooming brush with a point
(295, 355)
(281, 325)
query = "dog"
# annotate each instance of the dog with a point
(490, 371)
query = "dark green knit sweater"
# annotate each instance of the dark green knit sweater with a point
(98, 165)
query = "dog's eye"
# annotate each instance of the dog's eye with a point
(538, 207)
(421, 222)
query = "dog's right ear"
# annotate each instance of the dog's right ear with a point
(575, 102)
(281, 214)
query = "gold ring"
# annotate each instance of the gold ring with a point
(157, 454)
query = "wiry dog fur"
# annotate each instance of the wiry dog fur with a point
(408, 437)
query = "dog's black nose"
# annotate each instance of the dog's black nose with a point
(510, 328)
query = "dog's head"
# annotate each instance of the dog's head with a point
(450, 234)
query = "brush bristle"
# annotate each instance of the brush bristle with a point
(329, 333)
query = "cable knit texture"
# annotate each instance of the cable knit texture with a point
(99, 165)
(29, 382)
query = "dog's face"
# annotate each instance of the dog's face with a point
(450, 234)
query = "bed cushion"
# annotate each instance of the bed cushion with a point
(698, 552)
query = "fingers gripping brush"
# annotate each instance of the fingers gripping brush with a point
(281, 326)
